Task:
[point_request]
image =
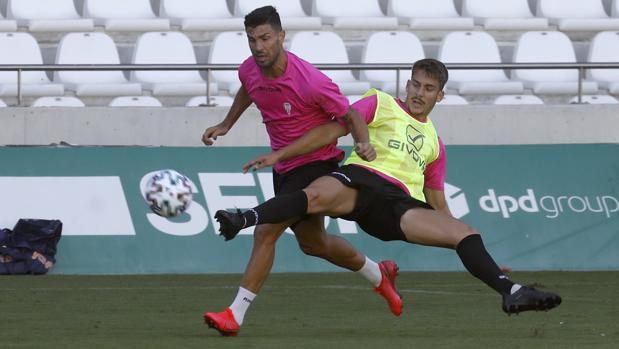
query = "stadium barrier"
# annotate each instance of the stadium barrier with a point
(539, 207)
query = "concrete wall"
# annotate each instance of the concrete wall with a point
(473, 124)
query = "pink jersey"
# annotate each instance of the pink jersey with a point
(434, 175)
(294, 103)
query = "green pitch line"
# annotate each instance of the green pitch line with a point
(325, 310)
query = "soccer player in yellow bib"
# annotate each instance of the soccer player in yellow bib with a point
(399, 195)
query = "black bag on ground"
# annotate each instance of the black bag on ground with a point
(30, 248)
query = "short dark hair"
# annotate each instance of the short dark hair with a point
(263, 15)
(433, 68)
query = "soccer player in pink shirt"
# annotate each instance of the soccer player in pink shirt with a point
(399, 195)
(293, 98)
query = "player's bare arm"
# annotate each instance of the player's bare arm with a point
(436, 199)
(359, 130)
(239, 105)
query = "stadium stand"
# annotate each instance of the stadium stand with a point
(167, 48)
(429, 15)
(7, 25)
(517, 99)
(58, 102)
(47, 15)
(614, 12)
(218, 101)
(92, 48)
(328, 47)
(291, 12)
(453, 100)
(503, 15)
(192, 15)
(135, 101)
(402, 47)
(22, 48)
(605, 48)
(230, 48)
(123, 15)
(554, 47)
(2, 104)
(599, 99)
(353, 14)
(577, 15)
(470, 47)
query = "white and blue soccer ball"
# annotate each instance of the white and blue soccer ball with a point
(168, 193)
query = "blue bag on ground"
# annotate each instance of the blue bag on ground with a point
(30, 248)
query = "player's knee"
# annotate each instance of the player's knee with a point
(467, 230)
(265, 237)
(315, 200)
(314, 248)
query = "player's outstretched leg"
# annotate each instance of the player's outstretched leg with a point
(528, 298)
(223, 322)
(387, 288)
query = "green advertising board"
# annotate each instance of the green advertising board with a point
(538, 207)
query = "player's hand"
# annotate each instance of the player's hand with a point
(211, 133)
(365, 151)
(261, 161)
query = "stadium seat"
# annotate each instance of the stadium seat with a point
(353, 14)
(47, 15)
(503, 15)
(475, 47)
(230, 48)
(327, 47)
(57, 102)
(135, 101)
(577, 15)
(432, 15)
(217, 101)
(123, 15)
(291, 12)
(605, 48)
(614, 12)
(551, 47)
(2, 104)
(403, 47)
(22, 48)
(518, 99)
(167, 48)
(7, 25)
(601, 99)
(92, 48)
(453, 100)
(200, 15)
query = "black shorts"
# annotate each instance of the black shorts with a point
(380, 203)
(300, 177)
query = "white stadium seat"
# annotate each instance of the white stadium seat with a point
(402, 47)
(200, 15)
(7, 25)
(2, 104)
(353, 14)
(230, 48)
(605, 48)
(601, 99)
(135, 101)
(431, 15)
(551, 47)
(47, 15)
(503, 15)
(57, 102)
(290, 11)
(453, 100)
(22, 48)
(614, 12)
(475, 47)
(124, 15)
(518, 99)
(92, 48)
(327, 47)
(216, 101)
(577, 15)
(167, 48)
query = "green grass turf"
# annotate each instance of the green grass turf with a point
(324, 310)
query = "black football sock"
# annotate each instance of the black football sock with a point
(479, 263)
(278, 209)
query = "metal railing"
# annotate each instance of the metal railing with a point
(208, 68)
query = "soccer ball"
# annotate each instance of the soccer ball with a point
(168, 193)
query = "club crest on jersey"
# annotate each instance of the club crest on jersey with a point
(287, 108)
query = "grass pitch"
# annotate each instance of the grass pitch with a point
(325, 310)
